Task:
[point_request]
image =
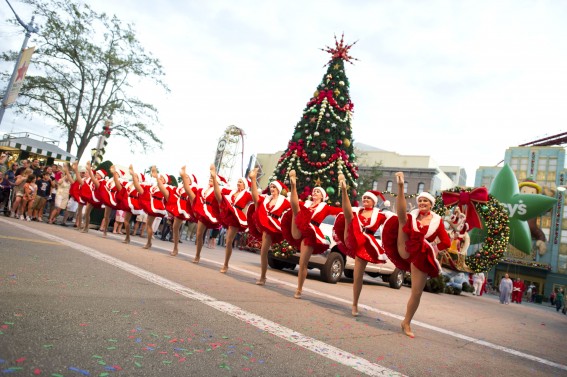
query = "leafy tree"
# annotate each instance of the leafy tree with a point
(88, 63)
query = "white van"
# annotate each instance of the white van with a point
(333, 263)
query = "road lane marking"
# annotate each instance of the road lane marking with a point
(314, 345)
(30, 240)
(463, 337)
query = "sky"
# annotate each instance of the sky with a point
(460, 81)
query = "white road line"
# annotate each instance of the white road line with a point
(314, 345)
(338, 299)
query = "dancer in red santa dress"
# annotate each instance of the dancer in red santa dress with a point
(205, 207)
(233, 209)
(177, 204)
(354, 233)
(127, 197)
(106, 191)
(152, 202)
(89, 195)
(75, 192)
(412, 242)
(264, 218)
(306, 217)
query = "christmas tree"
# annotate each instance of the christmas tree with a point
(321, 146)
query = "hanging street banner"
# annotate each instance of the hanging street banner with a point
(23, 66)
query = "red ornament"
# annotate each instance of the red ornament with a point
(327, 130)
(339, 142)
(324, 145)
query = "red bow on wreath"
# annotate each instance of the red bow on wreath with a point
(467, 199)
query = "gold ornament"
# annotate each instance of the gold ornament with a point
(317, 182)
(337, 92)
(346, 142)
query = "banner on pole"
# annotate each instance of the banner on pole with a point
(23, 66)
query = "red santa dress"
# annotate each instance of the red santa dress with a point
(360, 241)
(152, 201)
(232, 209)
(264, 217)
(178, 204)
(307, 221)
(128, 198)
(206, 207)
(88, 193)
(75, 192)
(420, 244)
(107, 193)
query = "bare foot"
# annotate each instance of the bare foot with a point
(224, 269)
(196, 260)
(297, 294)
(148, 245)
(261, 281)
(126, 240)
(354, 311)
(406, 329)
(173, 253)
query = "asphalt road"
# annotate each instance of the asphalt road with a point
(75, 304)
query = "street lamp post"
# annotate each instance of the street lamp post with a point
(30, 28)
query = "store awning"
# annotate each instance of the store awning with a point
(37, 147)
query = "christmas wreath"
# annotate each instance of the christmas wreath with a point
(495, 232)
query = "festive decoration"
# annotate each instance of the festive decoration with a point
(495, 226)
(321, 147)
(520, 207)
(520, 262)
(465, 200)
(283, 249)
(102, 142)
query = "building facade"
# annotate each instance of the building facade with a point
(548, 270)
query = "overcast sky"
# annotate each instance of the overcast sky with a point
(459, 81)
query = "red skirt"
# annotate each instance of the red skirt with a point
(422, 254)
(286, 230)
(356, 244)
(257, 225)
(308, 236)
(228, 217)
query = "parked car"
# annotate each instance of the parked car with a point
(333, 263)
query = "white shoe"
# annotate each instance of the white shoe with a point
(28, 218)
(22, 217)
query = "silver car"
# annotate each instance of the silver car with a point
(333, 263)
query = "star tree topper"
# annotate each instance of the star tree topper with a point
(340, 51)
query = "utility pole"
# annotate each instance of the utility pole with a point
(30, 28)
